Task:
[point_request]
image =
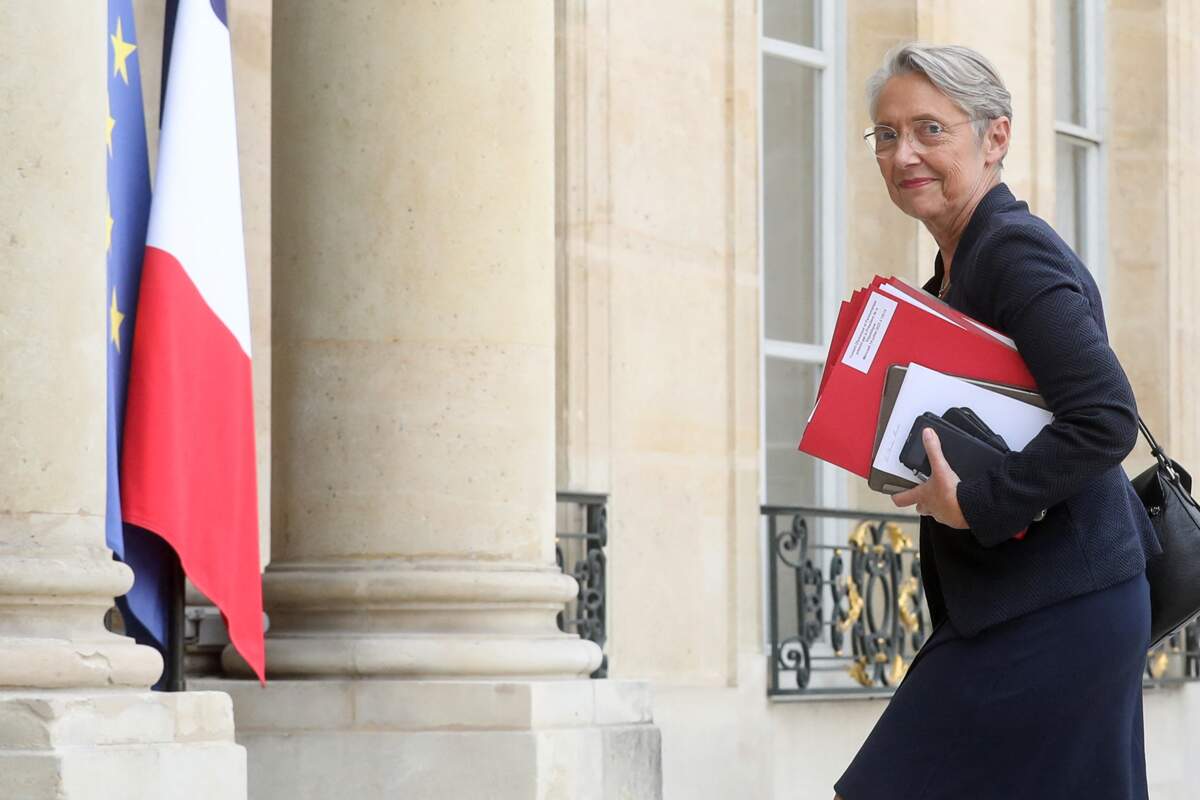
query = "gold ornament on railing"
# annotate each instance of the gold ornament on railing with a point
(858, 671)
(909, 615)
(897, 671)
(900, 540)
(1158, 664)
(859, 537)
(855, 602)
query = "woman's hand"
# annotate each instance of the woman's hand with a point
(938, 496)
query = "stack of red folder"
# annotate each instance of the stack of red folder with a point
(887, 323)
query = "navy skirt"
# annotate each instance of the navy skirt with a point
(1048, 705)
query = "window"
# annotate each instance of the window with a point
(800, 183)
(1079, 125)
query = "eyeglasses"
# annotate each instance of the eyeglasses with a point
(924, 135)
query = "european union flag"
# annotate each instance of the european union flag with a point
(145, 608)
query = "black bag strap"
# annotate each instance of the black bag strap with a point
(1160, 455)
(1167, 467)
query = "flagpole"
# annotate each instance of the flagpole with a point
(176, 681)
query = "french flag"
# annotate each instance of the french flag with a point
(188, 465)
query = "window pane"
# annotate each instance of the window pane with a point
(793, 21)
(1070, 189)
(791, 388)
(1068, 57)
(790, 280)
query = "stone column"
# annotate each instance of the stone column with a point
(76, 717)
(413, 424)
(414, 333)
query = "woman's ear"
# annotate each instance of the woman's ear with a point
(996, 140)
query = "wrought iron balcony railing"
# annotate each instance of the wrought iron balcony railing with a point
(846, 611)
(845, 617)
(582, 537)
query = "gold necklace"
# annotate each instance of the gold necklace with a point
(945, 288)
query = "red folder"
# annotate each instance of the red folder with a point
(847, 314)
(849, 310)
(842, 427)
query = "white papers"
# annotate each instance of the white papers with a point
(902, 295)
(1000, 337)
(925, 389)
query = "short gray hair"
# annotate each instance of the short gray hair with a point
(960, 73)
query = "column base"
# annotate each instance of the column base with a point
(419, 620)
(503, 740)
(74, 745)
(424, 656)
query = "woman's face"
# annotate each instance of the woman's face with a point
(935, 184)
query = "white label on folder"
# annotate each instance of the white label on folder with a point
(872, 327)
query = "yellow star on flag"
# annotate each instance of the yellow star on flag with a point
(108, 226)
(121, 51)
(112, 123)
(115, 318)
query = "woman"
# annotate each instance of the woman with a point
(1030, 684)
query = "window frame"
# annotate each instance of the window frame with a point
(828, 58)
(1091, 137)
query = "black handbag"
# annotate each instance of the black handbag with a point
(1174, 577)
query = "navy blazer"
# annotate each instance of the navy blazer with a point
(1013, 272)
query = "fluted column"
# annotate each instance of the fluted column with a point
(413, 335)
(57, 578)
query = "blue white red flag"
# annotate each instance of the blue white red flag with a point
(188, 466)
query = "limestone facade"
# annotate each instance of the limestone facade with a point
(659, 385)
(495, 251)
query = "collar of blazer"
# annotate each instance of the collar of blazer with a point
(999, 196)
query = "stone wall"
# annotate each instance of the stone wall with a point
(658, 398)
